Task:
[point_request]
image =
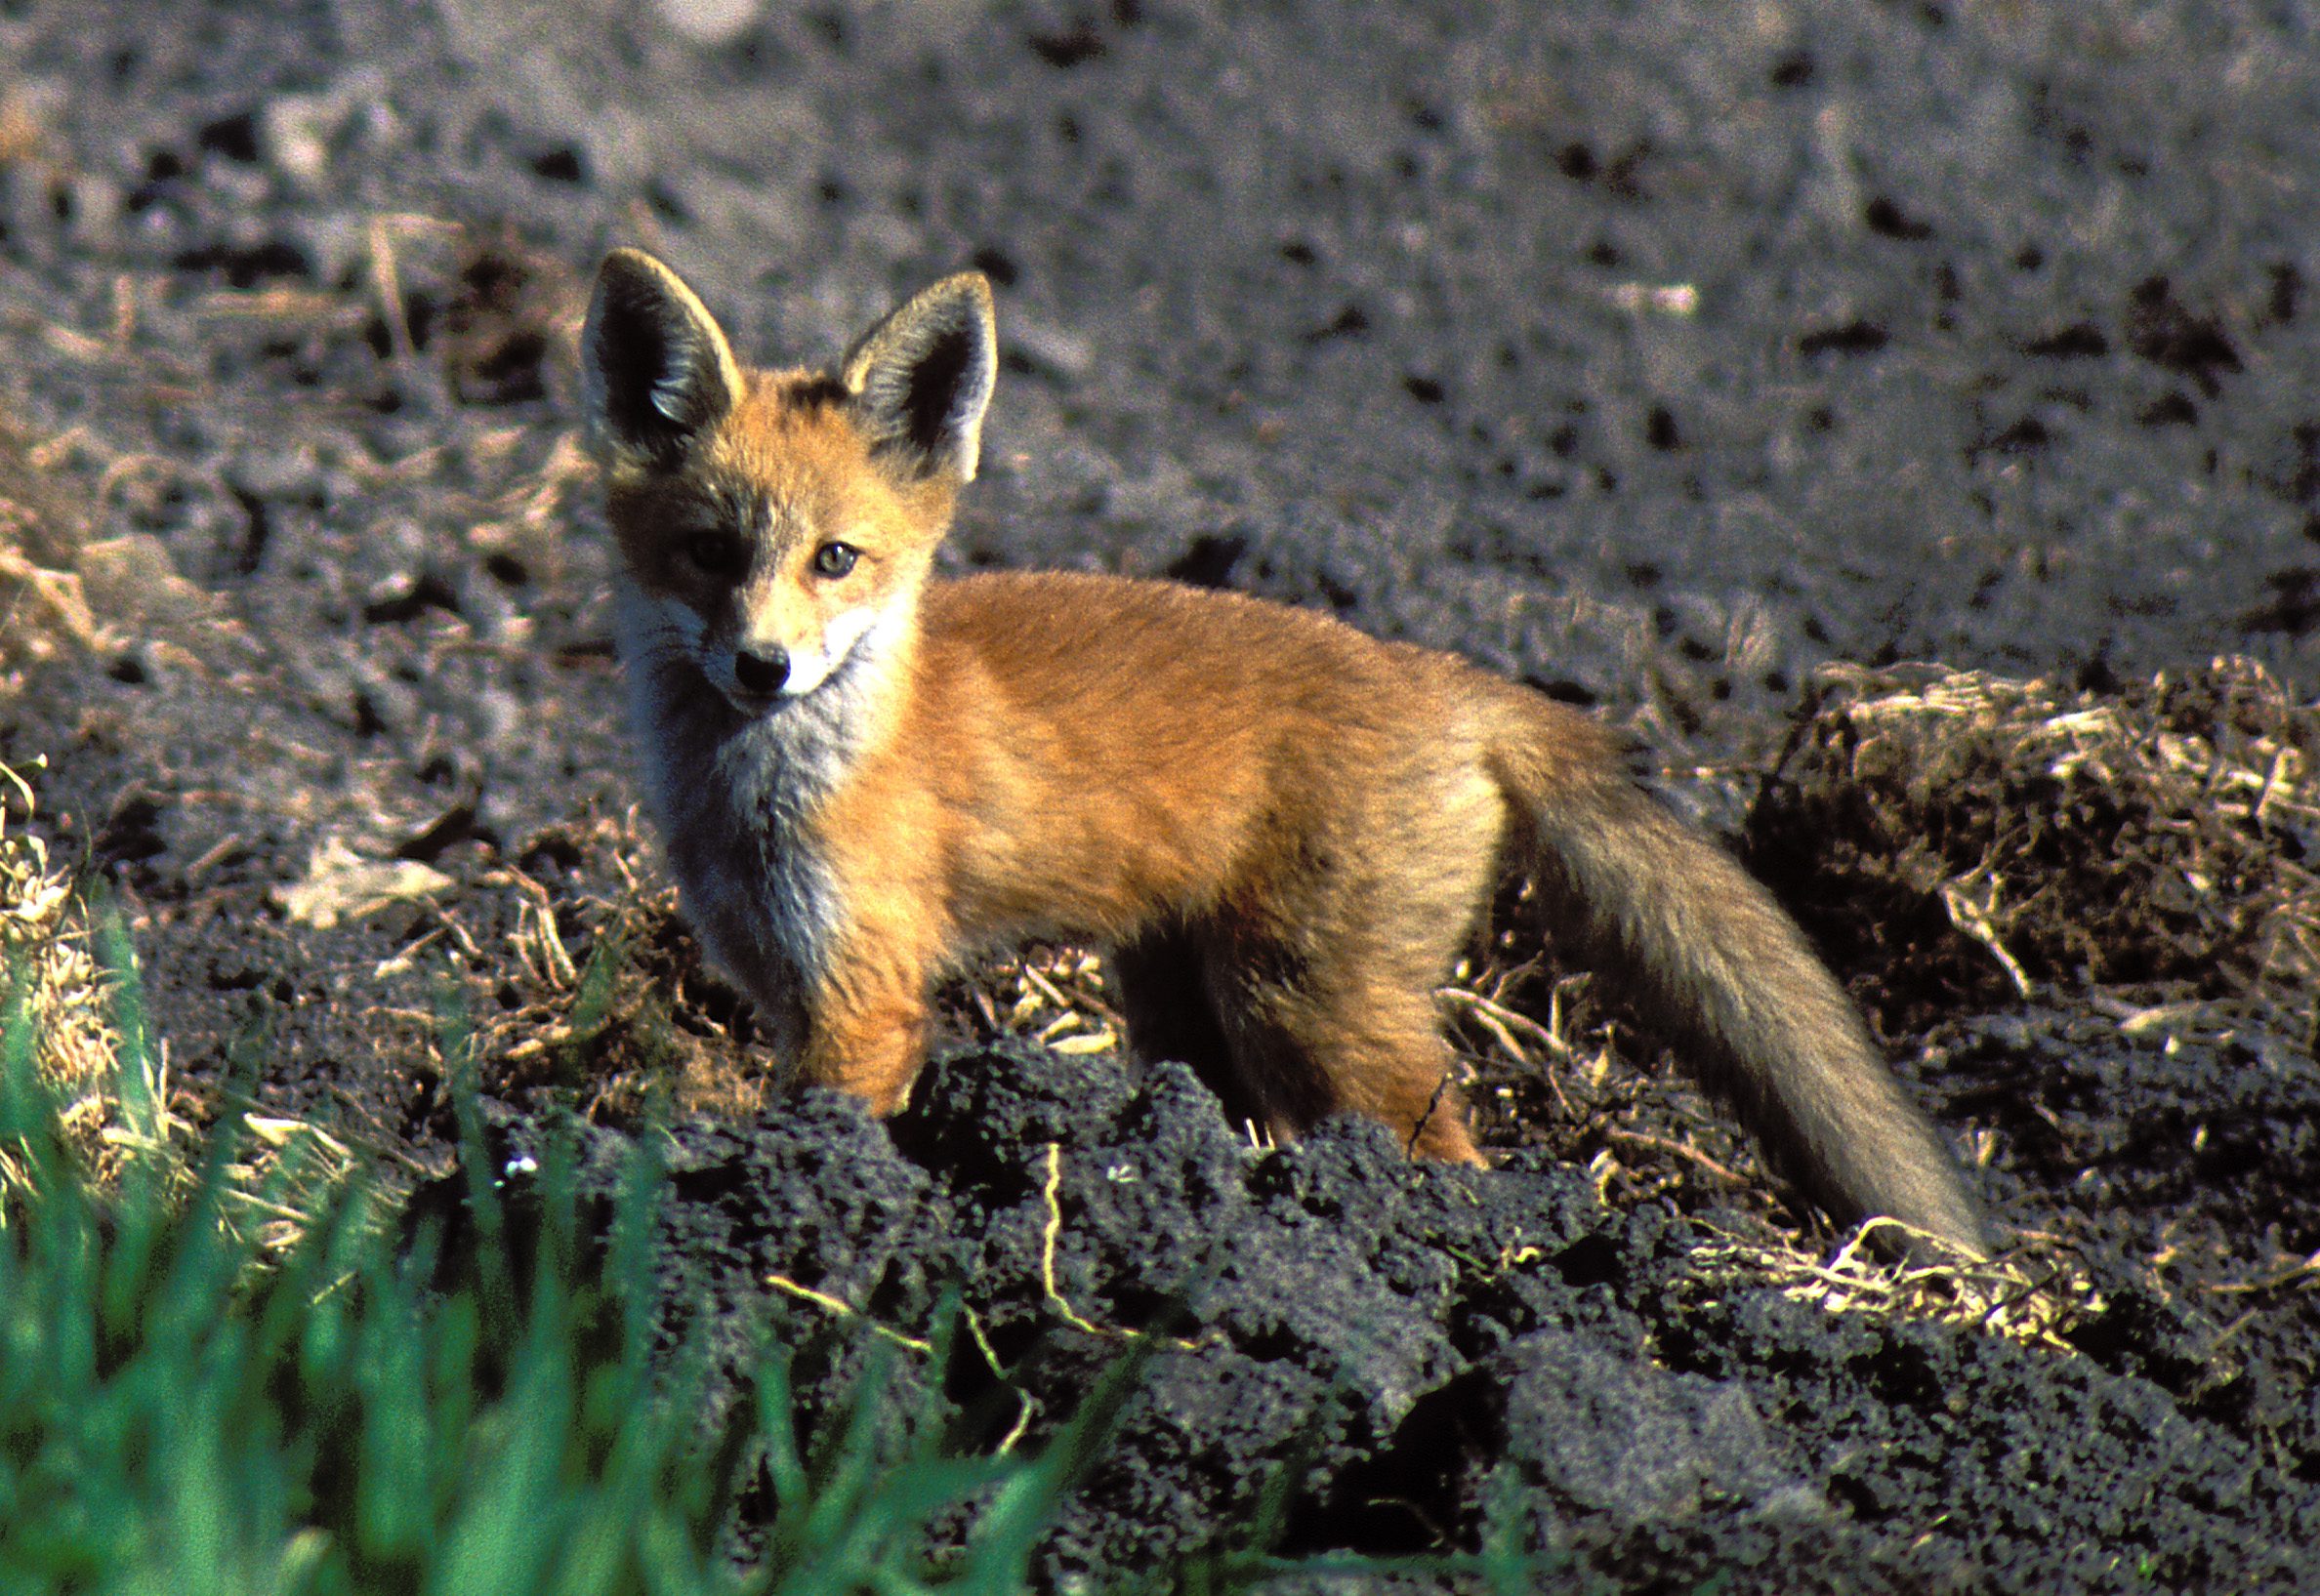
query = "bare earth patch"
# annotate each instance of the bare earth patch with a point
(1660, 357)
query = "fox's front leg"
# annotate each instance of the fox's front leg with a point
(866, 1031)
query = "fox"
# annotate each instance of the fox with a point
(1283, 832)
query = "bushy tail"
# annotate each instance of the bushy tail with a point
(1712, 957)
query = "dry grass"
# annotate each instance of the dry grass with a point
(614, 1002)
(633, 1013)
(23, 133)
(43, 611)
(45, 941)
(1058, 997)
(1544, 1057)
(1545, 1063)
(1968, 839)
(528, 522)
(2034, 1294)
(110, 1080)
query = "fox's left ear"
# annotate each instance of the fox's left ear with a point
(922, 378)
(655, 368)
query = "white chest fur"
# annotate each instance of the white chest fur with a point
(732, 794)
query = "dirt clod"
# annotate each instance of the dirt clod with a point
(1959, 837)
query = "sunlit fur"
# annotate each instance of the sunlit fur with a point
(733, 776)
(1284, 831)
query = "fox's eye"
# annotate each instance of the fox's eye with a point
(835, 558)
(715, 553)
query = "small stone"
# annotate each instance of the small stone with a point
(132, 578)
(341, 887)
(709, 22)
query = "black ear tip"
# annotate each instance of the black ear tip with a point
(626, 264)
(922, 377)
(973, 289)
(628, 281)
(655, 368)
(963, 319)
(962, 297)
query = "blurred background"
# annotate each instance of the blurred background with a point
(1654, 352)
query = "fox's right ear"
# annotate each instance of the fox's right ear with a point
(655, 368)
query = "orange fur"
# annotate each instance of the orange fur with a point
(1283, 829)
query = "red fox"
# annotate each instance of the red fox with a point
(1283, 830)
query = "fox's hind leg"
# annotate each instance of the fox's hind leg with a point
(1291, 1053)
(1330, 1008)
(1346, 1038)
(1384, 901)
(1163, 989)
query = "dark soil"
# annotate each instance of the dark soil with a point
(1659, 356)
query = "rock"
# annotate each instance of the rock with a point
(341, 887)
(131, 577)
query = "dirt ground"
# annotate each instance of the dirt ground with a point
(1703, 364)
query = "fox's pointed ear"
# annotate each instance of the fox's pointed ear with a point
(922, 378)
(656, 370)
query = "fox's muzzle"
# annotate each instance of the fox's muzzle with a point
(761, 668)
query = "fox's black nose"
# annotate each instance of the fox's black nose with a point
(761, 670)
